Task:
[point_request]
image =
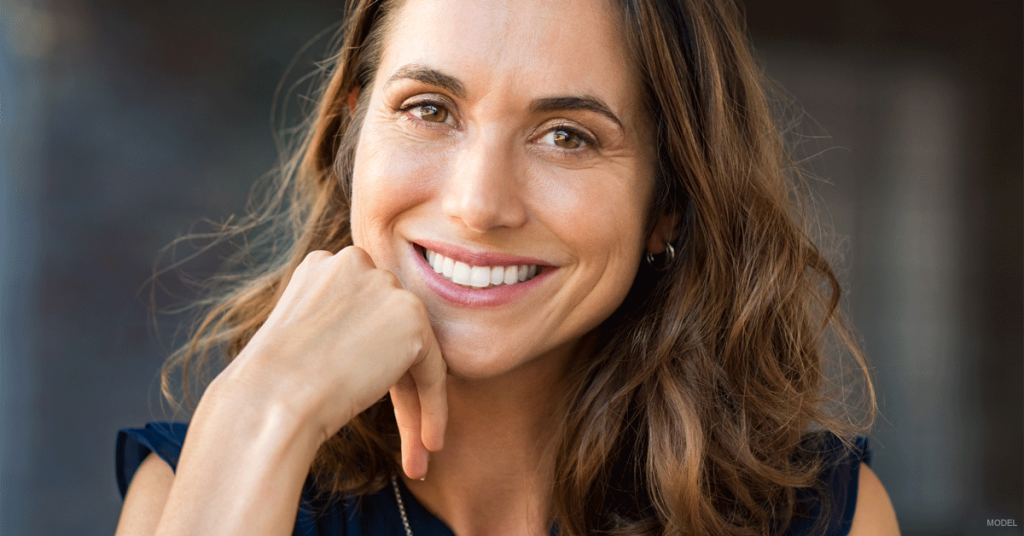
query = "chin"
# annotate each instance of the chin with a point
(475, 362)
(476, 355)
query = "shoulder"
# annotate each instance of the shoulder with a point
(146, 496)
(135, 445)
(840, 495)
(874, 514)
(145, 462)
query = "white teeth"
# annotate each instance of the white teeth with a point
(511, 275)
(461, 273)
(479, 276)
(497, 274)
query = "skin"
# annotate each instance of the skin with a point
(482, 168)
(478, 166)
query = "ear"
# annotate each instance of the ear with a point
(664, 232)
(353, 98)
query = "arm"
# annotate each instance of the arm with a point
(240, 472)
(315, 363)
(146, 497)
(874, 515)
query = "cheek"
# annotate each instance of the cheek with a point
(611, 247)
(601, 218)
(600, 214)
(390, 176)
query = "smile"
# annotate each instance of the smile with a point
(479, 277)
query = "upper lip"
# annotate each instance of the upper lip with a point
(477, 257)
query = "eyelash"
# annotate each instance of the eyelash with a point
(589, 142)
(421, 103)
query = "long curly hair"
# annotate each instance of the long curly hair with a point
(694, 414)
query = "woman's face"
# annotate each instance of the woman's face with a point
(503, 141)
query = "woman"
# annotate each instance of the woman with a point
(470, 215)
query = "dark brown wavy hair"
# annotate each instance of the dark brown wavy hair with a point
(694, 414)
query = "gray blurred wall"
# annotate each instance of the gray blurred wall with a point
(124, 122)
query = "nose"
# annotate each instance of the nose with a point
(483, 187)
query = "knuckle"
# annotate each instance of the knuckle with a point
(386, 278)
(410, 317)
(416, 345)
(311, 258)
(314, 256)
(355, 256)
(305, 267)
(411, 303)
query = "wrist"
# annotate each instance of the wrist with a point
(243, 465)
(240, 408)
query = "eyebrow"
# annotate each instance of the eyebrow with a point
(584, 102)
(429, 76)
(456, 88)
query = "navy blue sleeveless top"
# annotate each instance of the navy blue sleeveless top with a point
(378, 515)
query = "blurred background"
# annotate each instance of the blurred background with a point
(123, 123)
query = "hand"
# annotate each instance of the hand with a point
(343, 334)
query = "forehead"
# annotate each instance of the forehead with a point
(525, 48)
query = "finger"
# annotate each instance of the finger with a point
(430, 375)
(407, 415)
(356, 257)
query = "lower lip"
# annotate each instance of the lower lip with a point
(476, 297)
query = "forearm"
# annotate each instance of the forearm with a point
(241, 469)
(316, 362)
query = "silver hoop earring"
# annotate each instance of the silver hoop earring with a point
(670, 254)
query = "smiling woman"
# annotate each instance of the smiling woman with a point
(498, 152)
(462, 336)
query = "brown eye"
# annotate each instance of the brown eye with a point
(566, 139)
(433, 114)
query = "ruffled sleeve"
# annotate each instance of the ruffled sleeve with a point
(134, 444)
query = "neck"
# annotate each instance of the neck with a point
(494, 475)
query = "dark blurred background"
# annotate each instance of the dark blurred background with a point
(124, 122)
